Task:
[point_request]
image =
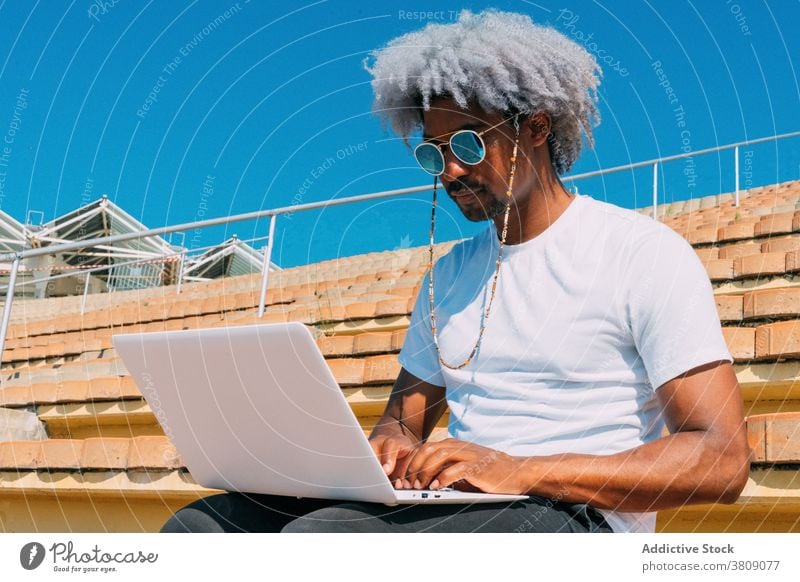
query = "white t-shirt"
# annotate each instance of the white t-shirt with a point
(590, 317)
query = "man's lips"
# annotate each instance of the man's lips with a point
(466, 192)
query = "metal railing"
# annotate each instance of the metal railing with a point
(17, 257)
(655, 162)
(88, 272)
(181, 256)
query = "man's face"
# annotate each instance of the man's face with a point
(479, 190)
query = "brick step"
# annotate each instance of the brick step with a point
(142, 310)
(377, 344)
(788, 242)
(358, 344)
(724, 228)
(142, 452)
(108, 380)
(99, 453)
(753, 266)
(749, 306)
(770, 502)
(366, 275)
(141, 500)
(114, 407)
(133, 417)
(74, 372)
(742, 286)
(341, 308)
(380, 336)
(769, 197)
(114, 419)
(136, 500)
(774, 302)
(774, 438)
(55, 354)
(92, 389)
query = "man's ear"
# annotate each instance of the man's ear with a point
(539, 125)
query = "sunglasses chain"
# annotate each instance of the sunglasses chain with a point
(497, 265)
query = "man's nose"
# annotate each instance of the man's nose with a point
(453, 167)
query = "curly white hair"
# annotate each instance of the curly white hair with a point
(500, 60)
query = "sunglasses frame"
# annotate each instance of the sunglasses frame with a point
(478, 134)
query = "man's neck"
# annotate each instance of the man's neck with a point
(543, 208)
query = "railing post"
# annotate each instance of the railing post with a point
(736, 172)
(655, 191)
(12, 281)
(85, 291)
(262, 301)
(180, 272)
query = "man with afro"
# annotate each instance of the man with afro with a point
(576, 343)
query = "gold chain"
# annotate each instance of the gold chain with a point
(497, 267)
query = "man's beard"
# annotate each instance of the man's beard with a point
(481, 212)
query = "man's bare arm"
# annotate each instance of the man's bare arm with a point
(414, 408)
(704, 460)
(412, 412)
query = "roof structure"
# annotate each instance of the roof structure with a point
(12, 234)
(103, 218)
(13, 238)
(231, 258)
(133, 264)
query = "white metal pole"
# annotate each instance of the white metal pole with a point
(85, 291)
(655, 191)
(12, 281)
(736, 172)
(262, 301)
(180, 273)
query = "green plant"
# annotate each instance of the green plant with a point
(737, 216)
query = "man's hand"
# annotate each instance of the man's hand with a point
(443, 463)
(413, 410)
(394, 451)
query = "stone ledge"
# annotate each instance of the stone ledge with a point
(129, 484)
(20, 424)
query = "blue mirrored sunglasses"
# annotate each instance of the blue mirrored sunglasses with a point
(467, 145)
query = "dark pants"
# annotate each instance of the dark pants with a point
(240, 512)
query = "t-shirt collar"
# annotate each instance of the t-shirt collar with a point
(538, 241)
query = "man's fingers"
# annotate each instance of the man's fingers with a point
(421, 457)
(389, 454)
(405, 456)
(391, 450)
(421, 471)
(377, 448)
(451, 474)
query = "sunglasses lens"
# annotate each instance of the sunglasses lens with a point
(429, 158)
(467, 147)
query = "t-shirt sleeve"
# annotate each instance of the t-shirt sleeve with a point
(671, 308)
(419, 355)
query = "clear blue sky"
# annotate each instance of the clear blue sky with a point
(249, 110)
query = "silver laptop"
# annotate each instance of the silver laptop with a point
(256, 409)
